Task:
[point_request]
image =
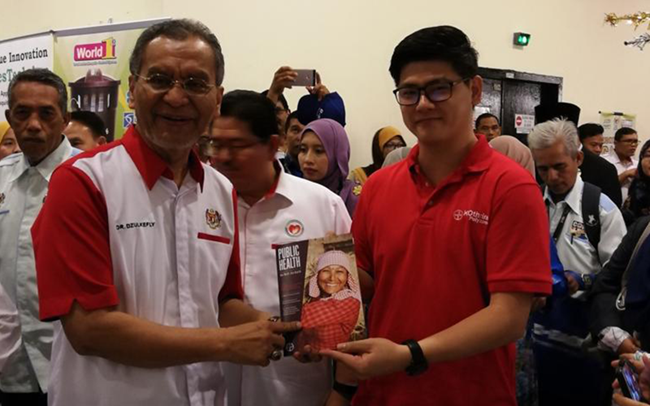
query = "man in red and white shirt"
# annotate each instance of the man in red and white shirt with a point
(137, 247)
(274, 208)
(456, 239)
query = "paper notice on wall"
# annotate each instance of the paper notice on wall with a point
(22, 54)
(524, 123)
(611, 123)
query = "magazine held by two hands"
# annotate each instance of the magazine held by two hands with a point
(319, 286)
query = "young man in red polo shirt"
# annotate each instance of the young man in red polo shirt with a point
(456, 238)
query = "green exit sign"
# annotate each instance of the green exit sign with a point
(521, 39)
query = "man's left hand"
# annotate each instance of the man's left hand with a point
(320, 90)
(572, 283)
(371, 357)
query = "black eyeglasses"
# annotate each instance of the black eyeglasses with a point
(435, 92)
(163, 83)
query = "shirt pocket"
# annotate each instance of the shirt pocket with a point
(214, 238)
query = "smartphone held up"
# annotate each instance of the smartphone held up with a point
(628, 380)
(305, 77)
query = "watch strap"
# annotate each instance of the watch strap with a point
(419, 362)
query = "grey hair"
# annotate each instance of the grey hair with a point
(178, 29)
(44, 77)
(546, 134)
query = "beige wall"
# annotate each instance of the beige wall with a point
(22, 17)
(350, 42)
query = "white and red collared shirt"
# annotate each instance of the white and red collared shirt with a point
(294, 210)
(117, 231)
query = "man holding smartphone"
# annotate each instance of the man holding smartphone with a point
(455, 269)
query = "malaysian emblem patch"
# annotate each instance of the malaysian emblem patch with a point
(213, 218)
(294, 228)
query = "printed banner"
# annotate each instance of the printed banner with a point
(21, 54)
(96, 69)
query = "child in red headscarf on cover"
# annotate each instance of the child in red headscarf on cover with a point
(332, 308)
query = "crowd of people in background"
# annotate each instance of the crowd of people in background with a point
(143, 270)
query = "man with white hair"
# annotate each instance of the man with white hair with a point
(566, 375)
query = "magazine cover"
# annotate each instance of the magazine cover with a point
(319, 286)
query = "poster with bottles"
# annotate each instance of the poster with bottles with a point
(94, 63)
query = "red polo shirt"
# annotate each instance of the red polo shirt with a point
(436, 253)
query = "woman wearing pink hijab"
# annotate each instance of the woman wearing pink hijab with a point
(332, 309)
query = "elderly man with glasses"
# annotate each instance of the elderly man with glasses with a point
(622, 157)
(137, 247)
(455, 237)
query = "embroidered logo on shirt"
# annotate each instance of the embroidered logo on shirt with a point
(591, 220)
(471, 215)
(294, 228)
(213, 218)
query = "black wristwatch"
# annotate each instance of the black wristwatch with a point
(419, 363)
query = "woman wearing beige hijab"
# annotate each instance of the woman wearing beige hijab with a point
(515, 150)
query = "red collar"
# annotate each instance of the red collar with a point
(150, 165)
(478, 160)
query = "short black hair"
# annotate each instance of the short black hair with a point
(590, 130)
(623, 131)
(442, 43)
(292, 116)
(485, 115)
(179, 30)
(282, 99)
(252, 108)
(45, 77)
(90, 120)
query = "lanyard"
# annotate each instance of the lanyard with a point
(560, 225)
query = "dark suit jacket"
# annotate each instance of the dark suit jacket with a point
(599, 172)
(607, 285)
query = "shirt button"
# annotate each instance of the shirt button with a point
(430, 203)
